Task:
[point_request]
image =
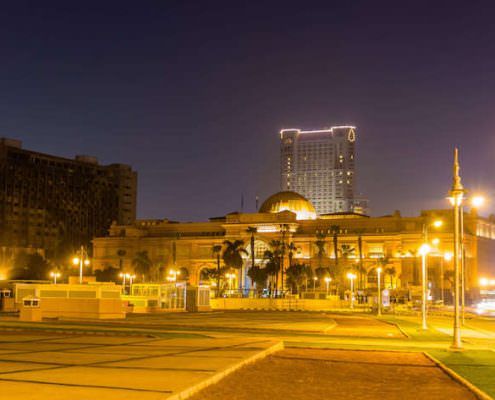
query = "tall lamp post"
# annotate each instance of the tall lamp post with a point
(81, 259)
(123, 276)
(378, 272)
(55, 275)
(456, 198)
(424, 249)
(327, 281)
(351, 277)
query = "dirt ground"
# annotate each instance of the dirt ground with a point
(327, 374)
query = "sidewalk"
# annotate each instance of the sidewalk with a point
(52, 367)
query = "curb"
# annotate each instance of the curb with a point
(455, 376)
(186, 393)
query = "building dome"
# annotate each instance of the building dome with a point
(289, 201)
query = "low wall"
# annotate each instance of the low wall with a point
(82, 308)
(278, 304)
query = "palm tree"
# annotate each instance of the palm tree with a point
(297, 274)
(272, 265)
(216, 251)
(320, 245)
(258, 276)
(121, 253)
(291, 247)
(391, 272)
(232, 254)
(252, 230)
(361, 269)
(347, 251)
(335, 229)
(142, 264)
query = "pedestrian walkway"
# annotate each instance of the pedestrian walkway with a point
(339, 374)
(36, 366)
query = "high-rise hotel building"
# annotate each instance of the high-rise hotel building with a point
(319, 164)
(51, 204)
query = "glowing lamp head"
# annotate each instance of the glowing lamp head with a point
(351, 276)
(379, 270)
(483, 282)
(86, 262)
(424, 249)
(477, 201)
(75, 260)
(448, 256)
(328, 279)
(315, 278)
(437, 223)
(436, 241)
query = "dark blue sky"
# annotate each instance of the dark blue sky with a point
(193, 96)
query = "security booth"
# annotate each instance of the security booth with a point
(7, 302)
(157, 297)
(198, 298)
(30, 309)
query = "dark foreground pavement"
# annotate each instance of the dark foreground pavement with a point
(338, 374)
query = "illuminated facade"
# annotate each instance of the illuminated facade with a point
(48, 203)
(391, 242)
(319, 164)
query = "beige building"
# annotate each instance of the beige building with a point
(390, 241)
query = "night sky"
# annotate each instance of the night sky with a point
(193, 96)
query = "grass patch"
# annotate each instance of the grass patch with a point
(477, 366)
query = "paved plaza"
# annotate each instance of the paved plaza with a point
(84, 367)
(171, 356)
(295, 374)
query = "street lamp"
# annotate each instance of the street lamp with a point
(315, 278)
(123, 276)
(81, 259)
(351, 277)
(456, 198)
(55, 275)
(424, 249)
(327, 281)
(378, 272)
(230, 277)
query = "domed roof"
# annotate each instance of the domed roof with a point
(289, 201)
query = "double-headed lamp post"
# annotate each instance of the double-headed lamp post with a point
(55, 275)
(82, 259)
(351, 276)
(327, 281)
(424, 249)
(379, 272)
(456, 198)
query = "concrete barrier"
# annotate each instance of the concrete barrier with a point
(288, 304)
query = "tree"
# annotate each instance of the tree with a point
(320, 246)
(121, 253)
(335, 229)
(347, 251)
(232, 254)
(291, 248)
(391, 272)
(109, 274)
(252, 230)
(272, 265)
(216, 251)
(298, 274)
(361, 269)
(142, 264)
(258, 277)
(30, 267)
